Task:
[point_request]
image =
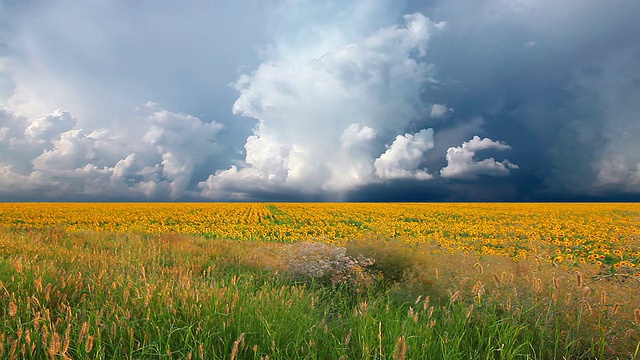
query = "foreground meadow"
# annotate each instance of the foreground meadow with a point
(319, 281)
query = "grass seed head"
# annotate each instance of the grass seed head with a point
(401, 349)
(469, 311)
(425, 304)
(347, 338)
(13, 309)
(587, 306)
(55, 345)
(88, 345)
(579, 279)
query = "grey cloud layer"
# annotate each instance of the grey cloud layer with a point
(492, 99)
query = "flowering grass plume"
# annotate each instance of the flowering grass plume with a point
(326, 264)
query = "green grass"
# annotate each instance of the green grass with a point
(105, 296)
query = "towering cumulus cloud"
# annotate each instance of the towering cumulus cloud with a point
(323, 121)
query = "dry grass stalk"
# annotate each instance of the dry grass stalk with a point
(66, 340)
(456, 296)
(2, 336)
(615, 308)
(537, 284)
(568, 299)
(83, 332)
(497, 280)
(380, 339)
(478, 289)
(13, 350)
(629, 333)
(588, 306)
(236, 345)
(18, 265)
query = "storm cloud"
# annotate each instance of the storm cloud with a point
(301, 100)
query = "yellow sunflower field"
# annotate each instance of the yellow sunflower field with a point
(606, 234)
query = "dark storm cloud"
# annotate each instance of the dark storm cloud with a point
(552, 79)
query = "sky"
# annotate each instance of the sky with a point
(302, 100)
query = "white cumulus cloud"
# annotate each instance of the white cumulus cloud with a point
(462, 164)
(402, 158)
(153, 155)
(440, 111)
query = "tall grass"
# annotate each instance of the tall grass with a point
(105, 296)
